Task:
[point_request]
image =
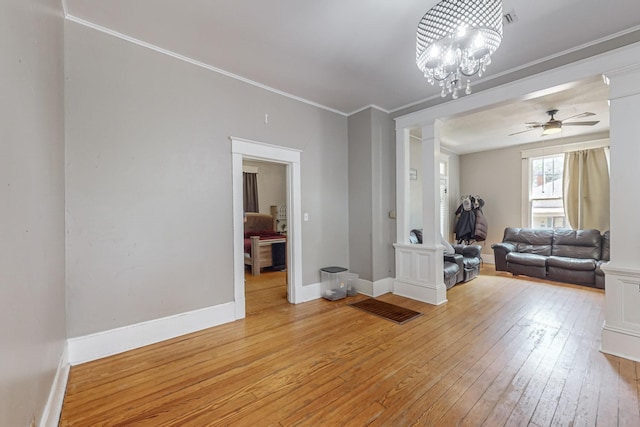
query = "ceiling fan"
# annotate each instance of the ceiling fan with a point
(555, 126)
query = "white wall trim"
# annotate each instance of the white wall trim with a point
(620, 342)
(431, 293)
(65, 8)
(604, 63)
(366, 287)
(53, 408)
(375, 107)
(377, 288)
(290, 157)
(107, 343)
(311, 292)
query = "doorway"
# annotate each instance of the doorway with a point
(265, 196)
(243, 149)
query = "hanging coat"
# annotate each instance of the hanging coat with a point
(466, 224)
(480, 233)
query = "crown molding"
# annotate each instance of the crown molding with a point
(192, 61)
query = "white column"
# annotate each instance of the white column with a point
(403, 203)
(419, 273)
(621, 330)
(430, 187)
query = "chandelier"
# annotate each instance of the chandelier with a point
(455, 41)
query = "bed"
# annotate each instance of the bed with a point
(263, 246)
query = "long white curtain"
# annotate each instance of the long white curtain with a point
(586, 189)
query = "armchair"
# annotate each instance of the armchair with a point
(461, 266)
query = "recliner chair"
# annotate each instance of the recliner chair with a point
(462, 266)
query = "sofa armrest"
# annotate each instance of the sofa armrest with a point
(472, 251)
(468, 251)
(455, 258)
(500, 251)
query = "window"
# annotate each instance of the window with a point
(545, 192)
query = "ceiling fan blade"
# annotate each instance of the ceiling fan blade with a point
(579, 116)
(522, 131)
(534, 124)
(581, 123)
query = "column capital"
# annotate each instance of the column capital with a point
(623, 82)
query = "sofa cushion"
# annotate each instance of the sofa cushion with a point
(579, 277)
(576, 243)
(578, 264)
(533, 260)
(530, 240)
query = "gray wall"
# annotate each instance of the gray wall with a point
(454, 190)
(360, 197)
(32, 214)
(383, 194)
(371, 194)
(496, 176)
(149, 192)
(272, 184)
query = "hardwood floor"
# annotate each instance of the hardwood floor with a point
(502, 351)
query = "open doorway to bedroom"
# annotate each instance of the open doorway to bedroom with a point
(265, 234)
(288, 158)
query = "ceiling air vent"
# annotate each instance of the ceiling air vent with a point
(510, 17)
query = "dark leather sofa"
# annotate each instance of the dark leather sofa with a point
(564, 255)
(461, 266)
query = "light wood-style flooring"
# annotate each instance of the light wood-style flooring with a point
(502, 351)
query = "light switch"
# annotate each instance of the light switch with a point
(306, 216)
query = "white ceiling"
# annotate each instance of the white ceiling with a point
(491, 128)
(345, 56)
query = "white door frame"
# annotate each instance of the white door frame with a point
(290, 157)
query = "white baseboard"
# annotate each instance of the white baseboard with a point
(432, 294)
(366, 287)
(621, 343)
(53, 408)
(377, 288)
(311, 292)
(102, 344)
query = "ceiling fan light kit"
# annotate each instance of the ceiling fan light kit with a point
(455, 41)
(552, 127)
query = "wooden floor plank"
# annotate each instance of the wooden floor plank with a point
(533, 398)
(450, 396)
(502, 350)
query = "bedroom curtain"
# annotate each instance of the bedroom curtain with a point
(250, 192)
(586, 189)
